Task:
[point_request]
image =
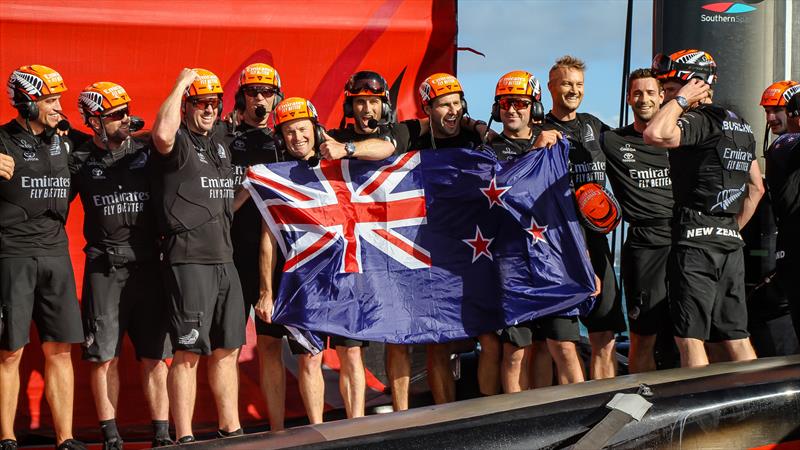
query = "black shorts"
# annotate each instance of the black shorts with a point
(207, 308)
(557, 328)
(519, 335)
(607, 313)
(246, 261)
(130, 299)
(644, 278)
(706, 294)
(341, 341)
(42, 289)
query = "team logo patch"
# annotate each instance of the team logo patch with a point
(139, 162)
(189, 338)
(221, 152)
(29, 155)
(98, 173)
(628, 157)
(589, 135)
(239, 145)
(202, 158)
(627, 148)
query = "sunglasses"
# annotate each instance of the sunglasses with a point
(253, 91)
(518, 103)
(117, 115)
(205, 103)
(365, 85)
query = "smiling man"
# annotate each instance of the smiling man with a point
(195, 189)
(639, 174)
(774, 101)
(36, 279)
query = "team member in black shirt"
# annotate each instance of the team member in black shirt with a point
(783, 177)
(36, 278)
(122, 287)
(195, 188)
(587, 165)
(640, 177)
(716, 184)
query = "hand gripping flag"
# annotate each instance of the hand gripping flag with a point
(428, 246)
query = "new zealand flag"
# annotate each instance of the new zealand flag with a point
(428, 246)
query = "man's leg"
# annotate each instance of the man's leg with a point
(640, 354)
(603, 361)
(182, 384)
(440, 376)
(312, 385)
(398, 368)
(568, 365)
(223, 378)
(352, 381)
(541, 365)
(489, 364)
(515, 368)
(154, 383)
(9, 391)
(739, 349)
(273, 378)
(693, 352)
(104, 379)
(59, 386)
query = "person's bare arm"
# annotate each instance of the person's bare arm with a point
(267, 257)
(374, 149)
(755, 190)
(662, 130)
(168, 119)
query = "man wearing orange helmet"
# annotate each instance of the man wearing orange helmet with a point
(774, 101)
(587, 165)
(716, 184)
(122, 288)
(783, 177)
(252, 143)
(195, 188)
(297, 137)
(36, 278)
(640, 176)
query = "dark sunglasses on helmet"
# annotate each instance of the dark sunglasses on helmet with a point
(253, 91)
(204, 103)
(365, 85)
(117, 115)
(518, 103)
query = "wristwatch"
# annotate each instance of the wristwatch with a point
(350, 148)
(682, 102)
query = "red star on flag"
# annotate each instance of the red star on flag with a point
(480, 245)
(493, 193)
(537, 232)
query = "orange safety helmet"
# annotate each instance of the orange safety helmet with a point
(518, 82)
(779, 92)
(437, 85)
(685, 65)
(260, 73)
(30, 83)
(206, 83)
(599, 210)
(294, 108)
(99, 97)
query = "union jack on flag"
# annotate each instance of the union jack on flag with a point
(428, 246)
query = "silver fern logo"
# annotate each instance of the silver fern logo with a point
(726, 198)
(93, 101)
(29, 83)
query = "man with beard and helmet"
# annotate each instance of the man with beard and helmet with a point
(297, 136)
(252, 143)
(774, 101)
(122, 288)
(448, 127)
(783, 178)
(716, 184)
(518, 106)
(36, 279)
(639, 175)
(587, 165)
(195, 188)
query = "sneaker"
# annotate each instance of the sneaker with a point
(71, 444)
(8, 444)
(162, 442)
(113, 444)
(186, 440)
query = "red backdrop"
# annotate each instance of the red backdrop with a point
(143, 44)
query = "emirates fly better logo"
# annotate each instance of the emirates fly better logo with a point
(726, 12)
